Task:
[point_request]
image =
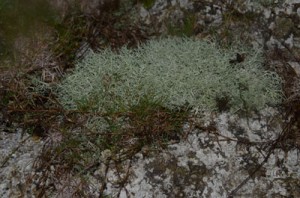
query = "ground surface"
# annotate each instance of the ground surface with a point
(221, 154)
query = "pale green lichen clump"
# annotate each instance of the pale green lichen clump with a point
(175, 71)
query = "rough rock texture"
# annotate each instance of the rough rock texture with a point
(213, 163)
(17, 153)
(218, 156)
(267, 23)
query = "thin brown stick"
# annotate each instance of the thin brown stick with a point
(280, 138)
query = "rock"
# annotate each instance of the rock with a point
(207, 163)
(295, 66)
(201, 166)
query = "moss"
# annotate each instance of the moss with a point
(148, 3)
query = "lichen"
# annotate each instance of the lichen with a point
(175, 71)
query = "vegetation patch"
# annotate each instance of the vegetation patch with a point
(148, 3)
(117, 103)
(179, 72)
(186, 28)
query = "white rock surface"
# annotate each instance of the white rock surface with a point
(209, 165)
(21, 151)
(205, 164)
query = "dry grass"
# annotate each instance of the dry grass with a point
(74, 148)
